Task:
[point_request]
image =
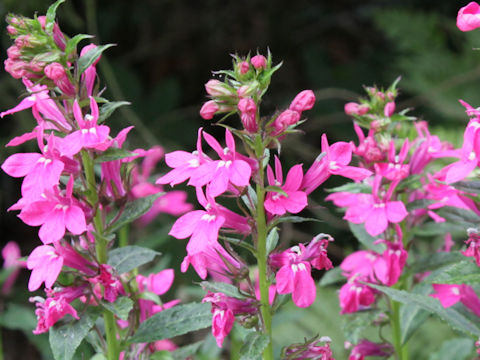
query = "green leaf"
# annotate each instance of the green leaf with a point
(463, 272)
(292, 219)
(186, 351)
(253, 196)
(276, 189)
(419, 204)
(351, 187)
(71, 45)
(113, 154)
(18, 317)
(107, 109)
(224, 288)
(50, 16)
(65, 339)
(272, 240)
(120, 308)
(133, 211)
(472, 187)
(354, 325)
(98, 357)
(436, 260)
(147, 295)
(365, 238)
(412, 316)
(460, 216)
(451, 315)
(128, 258)
(254, 344)
(410, 182)
(332, 276)
(433, 228)
(172, 322)
(458, 349)
(90, 57)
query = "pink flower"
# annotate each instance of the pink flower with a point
(303, 101)
(248, 114)
(106, 285)
(395, 258)
(295, 200)
(259, 62)
(284, 120)
(353, 108)
(50, 311)
(11, 255)
(473, 248)
(209, 109)
(389, 108)
(368, 348)
(89, 136)
(243, 67)
(55, 213)
(219, 173)
(56, 72)
(395, 169)
(364, 263)
(355, 296)
(449, 295)
(468, 17)
(158, 283)
(367, 147)
(46, 264)
(90, 74)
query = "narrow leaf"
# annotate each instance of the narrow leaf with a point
(73, 42)
(365, 238)
(292, 219)
(436, 260)
(254, 344)
(133, 211)
(65, 339)
(120, 308)
(276, 189)
(172, 322)
(472, 187)
(462, 272)
(113, 154)
(351, 187)
(128, 258)
(90, 57)
(412, 316)
(451, 315)
(50, 16)
(272, 240)
(107, 109)
(332, 276)
(224, 288)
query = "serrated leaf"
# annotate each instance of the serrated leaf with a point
(436, 260)
(254, 344)
(90, 57)
(107, 109)
(71, 45)
(272, 240)
(120, 308)
(172, 322)
(224, 288)
(433, 228)
(133, 211)
(332, 276)
(458, 349)
(113, 154)
(472, 187)
(351, 187)
(452, 316)
(460, 216)
(354, 325)
(65, 339)
(50, 16)
(462, 272)
(412, 316)
(276, 189)
(365, 238)
(128, 258)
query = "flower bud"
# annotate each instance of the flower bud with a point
(36, 66)
(16, 68)
(11, 30)
(216, 88)
(248, 110)
(22, 41)
(303, 101)
(208, 110)
(284, 120)
(259, 62)
(353, 108)
(13, 52)
(243, 67)
(389, 109)
(54, 71)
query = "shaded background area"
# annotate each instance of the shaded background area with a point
(167, 49)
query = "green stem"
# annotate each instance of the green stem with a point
(123, 236)
(113, 351)
(400, 350)
(262, 264)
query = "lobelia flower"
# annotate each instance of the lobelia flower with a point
(366, 264)
(11, 255)
(395, 258)
(55, 213)
(89, 136)
(355, 295)
(90, 74)
(368, 147)
(450, 294)
(468, 17)
(46, 264)
(295, 199)
(473, 244)
(334, 162)
(184, 164)
(368, 348)
(56, 72)
(284, 120)
(209, 109)
(395, 169)
(106, 285)
(41, 170)
(219, 173)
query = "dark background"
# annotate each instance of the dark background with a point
(167, 49)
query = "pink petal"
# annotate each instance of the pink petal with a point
(18, 165)
(285, 280)
(240, 173)
(304, 292)
(53, 229)
(295, 202)
(75, 220)
(376, 222)
(395, 211)
(341, 152)
(294, 178)
(185, 225)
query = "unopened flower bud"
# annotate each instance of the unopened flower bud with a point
(243, 67)
(390, 95)
(208, 110)
(389, 109)
(36, 66)
(13, 52)
(16, 68)
(22, 41)
(216, 88)
(303, 101)
(284, 120)
(11, 30)
(380, 95)
(259, 62)
(248, 110)
(248, 90)
(353, 108)
(54, 71)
